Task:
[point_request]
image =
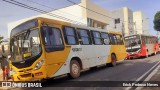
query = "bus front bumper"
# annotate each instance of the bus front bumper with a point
(29, 76)
(130, 56)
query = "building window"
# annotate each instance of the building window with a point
(95, 23)
(96, 38)
(116, 21)
(70, 35)
(105, 38)
(84, 36)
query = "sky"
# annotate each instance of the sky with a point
(10, 13)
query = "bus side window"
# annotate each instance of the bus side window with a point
(119, 39)
(113, 39)
(70, 35)
(96, 38)
(105, 38)
(84, 36)
(52, 39)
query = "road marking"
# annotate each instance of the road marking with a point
(150, 76)
(128, 88)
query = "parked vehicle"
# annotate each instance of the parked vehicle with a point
(141, 45)
(4, 48)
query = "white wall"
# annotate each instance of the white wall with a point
(98, 10)
(142, 26)
(75, 14)
(117, 14)
(79, 15)
(71, 14)
(126, 23)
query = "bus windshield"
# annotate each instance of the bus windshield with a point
(133, 43)
(25, 45)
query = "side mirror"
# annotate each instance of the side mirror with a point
(9, 56)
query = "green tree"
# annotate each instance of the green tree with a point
(1, 39)
(157, 21)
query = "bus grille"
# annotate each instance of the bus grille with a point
(26, 75)
(25, 70)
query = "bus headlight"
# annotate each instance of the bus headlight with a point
(39, 65)
(139, 51)
(13, 71)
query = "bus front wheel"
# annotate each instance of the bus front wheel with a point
(155, 52)
(74, 69)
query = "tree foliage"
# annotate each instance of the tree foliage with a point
(1, 39)
(157, 21)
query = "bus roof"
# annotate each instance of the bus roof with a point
(58, 22)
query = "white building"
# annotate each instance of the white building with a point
(89, 14)
(77, 14)
(141, 23)
(125, 16)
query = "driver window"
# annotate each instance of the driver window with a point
(52, 39)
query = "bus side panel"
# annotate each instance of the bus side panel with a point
(156, 47)
(150, 48)
(75, 51)
(55, 60)
(90, 56)
(96, 54)
(120, 52)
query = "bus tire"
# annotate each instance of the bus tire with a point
(74, 69)
(155, 52)
(113, 60)
(147, 54)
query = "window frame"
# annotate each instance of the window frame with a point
(122, 43)
(43, 41)
(65, 36)
(114, 39)
(93, 38)
(80, 37)
(105, 38)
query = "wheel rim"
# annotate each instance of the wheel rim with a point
(75, 69)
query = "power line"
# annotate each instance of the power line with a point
(52, 9)
(14, 2)
(95, 11)
(89, 9)
(59, 10)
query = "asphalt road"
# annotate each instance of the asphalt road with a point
(128, 70)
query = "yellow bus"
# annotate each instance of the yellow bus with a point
(43, 48)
